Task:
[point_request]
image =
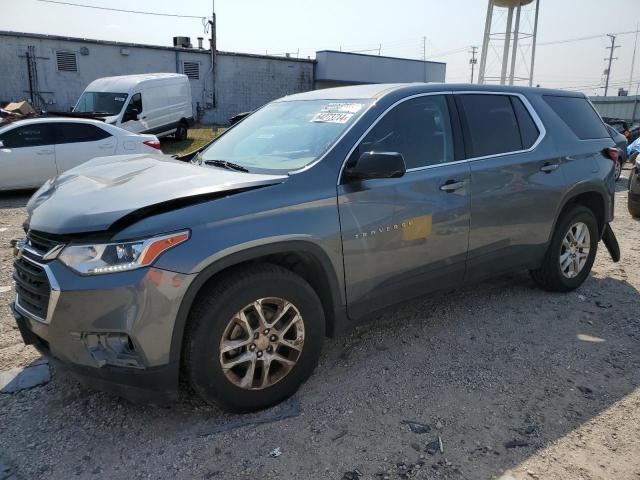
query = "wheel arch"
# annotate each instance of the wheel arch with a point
(592, 197)
(303, 258)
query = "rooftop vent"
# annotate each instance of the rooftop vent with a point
(184, 42)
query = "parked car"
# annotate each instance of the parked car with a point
(632, 150)
(633, 198)
(36, 149)
(621, 145)
(155, 103)
(303, 219)
(631, 132)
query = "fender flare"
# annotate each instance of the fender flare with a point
(246, 255)
(586, 187)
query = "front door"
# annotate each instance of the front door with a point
(27, 156)
(406, 236)
(134, 119)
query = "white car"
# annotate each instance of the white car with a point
(36, 149)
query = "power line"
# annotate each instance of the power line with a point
(57, 2)
(579, 39)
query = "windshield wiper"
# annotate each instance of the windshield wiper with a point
(227, 165)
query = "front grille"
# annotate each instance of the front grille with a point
(32, 287)
(40, 242)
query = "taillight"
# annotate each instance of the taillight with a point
(153, 144)
(612, 153)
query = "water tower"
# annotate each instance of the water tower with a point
(509, 44)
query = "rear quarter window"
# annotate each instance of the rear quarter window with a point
(579, 116)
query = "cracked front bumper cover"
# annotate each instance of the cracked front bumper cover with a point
(155, 385)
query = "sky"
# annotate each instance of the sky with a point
(396, 28)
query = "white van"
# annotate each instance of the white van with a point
(155, 103)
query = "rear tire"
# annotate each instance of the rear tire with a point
(226, 315)
(551, 275)
(181, 131)
(634, 208)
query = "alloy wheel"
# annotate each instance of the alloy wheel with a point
(262, 343)
(574, 251)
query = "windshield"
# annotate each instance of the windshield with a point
(285, 136)
(101, 102)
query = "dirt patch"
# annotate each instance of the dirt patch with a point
(509, 379)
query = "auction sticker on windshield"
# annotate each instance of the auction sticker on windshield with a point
(337, 112)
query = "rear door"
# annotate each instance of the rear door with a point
(27, 157)
(406, 236)
(77, 143)
(516, 182)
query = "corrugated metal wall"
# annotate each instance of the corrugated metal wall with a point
(625, 108)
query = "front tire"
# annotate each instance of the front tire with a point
(571, 253)
(253, 337)
(181, 132)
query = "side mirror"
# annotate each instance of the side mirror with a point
(373, 165)
(1, 144)
(130, 114)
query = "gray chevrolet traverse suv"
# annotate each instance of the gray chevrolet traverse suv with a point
(227, 271)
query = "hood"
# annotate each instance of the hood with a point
(98, 193)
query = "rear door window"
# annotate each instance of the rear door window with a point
(491, 124)
(579, 116)
(79, 132)
(419, 129)
(33, 135)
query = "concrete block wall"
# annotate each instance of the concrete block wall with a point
(244, 82)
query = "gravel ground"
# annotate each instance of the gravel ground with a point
(514, 381)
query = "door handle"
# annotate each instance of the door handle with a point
(451, 186)
(549, 167)
(104, 147)
(44, 152)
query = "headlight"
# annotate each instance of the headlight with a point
(118, 257)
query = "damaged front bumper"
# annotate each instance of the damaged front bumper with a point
(113, 331)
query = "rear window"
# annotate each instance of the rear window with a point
(78, 132)
(579, 116)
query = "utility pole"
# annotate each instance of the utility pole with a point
(473, 60)
(214, 50)
(611, 59)
(633, 59)
(424, 56)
